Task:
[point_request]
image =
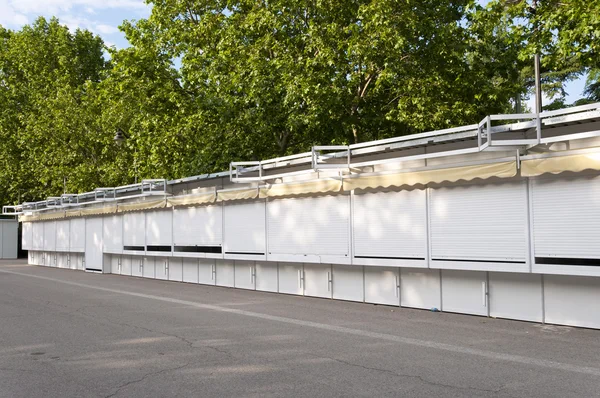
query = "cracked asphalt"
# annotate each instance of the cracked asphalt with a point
(73, 334)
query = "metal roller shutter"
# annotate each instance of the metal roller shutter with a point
(198, 226)
(390, 225)
(309, 228)
(27, 236)
(159, 228)
(77, 235)
(134, 229)
(566, 217)
(245, 228)
(37, 229)
(94, 260)
(479, 222)
(62, 235)
(113, 234)
(50, 235)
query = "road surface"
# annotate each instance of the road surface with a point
(68, 333)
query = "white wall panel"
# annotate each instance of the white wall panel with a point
(37, 231)
(78, 258)
(479, 222)
(317, 279)
(51, 259)
(62, 260)
(134, 229)
(77, 235)
(312, 229)
(126, 265)
(161, 268)
(113, 234)
(245, 228)
(464, 292)
(266, 276)
(137, 266)
(149, 268)
(50, 235)
(382, 285)
(93, 244)
(566, 217)
(62, 235)
(516, 296)
(348, 283)
(390, 224)
(420, 288)
(290, 278)
(198, 226)
(27, 236)
(206, 271)
(244, 274)
(175, 270)
(190, 270)
(572, 300)
(225, 273)
(115, 264)
(159, 231)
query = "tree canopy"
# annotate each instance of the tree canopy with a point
(205, 82)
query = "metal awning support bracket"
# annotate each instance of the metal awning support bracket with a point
(318, 157)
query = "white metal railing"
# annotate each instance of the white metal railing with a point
(485, 137)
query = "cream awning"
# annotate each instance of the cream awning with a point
(559, 164)
(93, 211)
(237, 194)
(466, 173)
(23, 218)
(299, 188)
(73, 213)
(55, 215)
(195, 199)
(144, 205)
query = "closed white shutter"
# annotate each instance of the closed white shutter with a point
(245, 228)
(566, 217)
(77, 235)
(94, 257)
(38, 235)
(27, 236)
(198, 226)
(62, 235)
(479, 222)
(390, 225)
(159, 228)
(134, 229)
(50, 235)
(309, 226)
(113, 234)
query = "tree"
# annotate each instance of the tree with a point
(272, 78)
(49, 131)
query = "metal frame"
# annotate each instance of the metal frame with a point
(484, 137)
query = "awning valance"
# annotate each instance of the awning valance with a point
(237, 194)
(466, 173)
(559, 164)
(195, 199)
(93, 211)
(144, 205)
(73, 213)
(300, 188)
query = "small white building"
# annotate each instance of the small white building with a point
(8, 238)
(500, 218)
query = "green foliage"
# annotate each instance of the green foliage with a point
(206, 82)
(48, 129)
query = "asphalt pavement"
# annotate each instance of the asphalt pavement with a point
(69, 333)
